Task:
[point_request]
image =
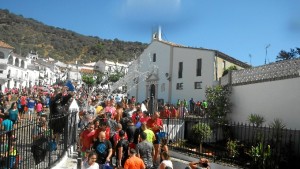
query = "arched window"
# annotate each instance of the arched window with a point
(17, 62)
(10, 60)
(1, 55)
(22, 64)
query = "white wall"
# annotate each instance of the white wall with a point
(274, 99)
(161, 65)
(189, 58)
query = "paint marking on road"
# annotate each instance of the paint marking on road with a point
(179, 160)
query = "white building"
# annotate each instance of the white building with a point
(171, 71)
(18, 72)
(13, 68)
(108, 67)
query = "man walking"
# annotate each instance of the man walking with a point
(145, 151)
(134, 162)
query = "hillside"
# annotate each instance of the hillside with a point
(28, 34)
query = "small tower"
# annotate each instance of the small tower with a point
(156, 35)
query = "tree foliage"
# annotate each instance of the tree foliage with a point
(28, 34)
(256, 119)
(233, 67)
(292, 54)
(88, 79)
(218, 99)
(115, 77)
(201, 131)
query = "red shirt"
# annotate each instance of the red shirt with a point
(173, 112)
(144, 119)
(134, 116)
(87, 139)
(23, 100)
(165, 113)
(152, 123)
(107, 132)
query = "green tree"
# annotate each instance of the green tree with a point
(256, 119)
(88, 79)
(277, 135)
(201, 131)
(99, 77)
(233, 67)
(218, 102)
(292, 54)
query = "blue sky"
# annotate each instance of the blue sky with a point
(238, 28)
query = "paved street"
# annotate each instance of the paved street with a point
(180, 161)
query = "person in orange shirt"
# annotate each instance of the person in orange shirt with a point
(133, 162)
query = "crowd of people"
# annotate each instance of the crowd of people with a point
(116, 132)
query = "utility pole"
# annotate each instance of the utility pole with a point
(267, 53)
(250, 56)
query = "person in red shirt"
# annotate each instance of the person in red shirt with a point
(145, 117)
(86, 138)
(173, 111)
(156, 125)
(103, 127)
(165, 112)
(139, 113)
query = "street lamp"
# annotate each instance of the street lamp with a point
(77, 70)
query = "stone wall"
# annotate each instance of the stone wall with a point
(271, 72)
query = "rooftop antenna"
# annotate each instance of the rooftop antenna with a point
(267, 53)
(250, 56)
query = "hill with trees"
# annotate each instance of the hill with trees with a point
(27, 34)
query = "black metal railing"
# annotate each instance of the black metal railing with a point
(245, 145)
(31, 145)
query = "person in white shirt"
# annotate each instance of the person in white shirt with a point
(90, 163)
(166, 161)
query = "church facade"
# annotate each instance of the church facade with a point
(168, 71)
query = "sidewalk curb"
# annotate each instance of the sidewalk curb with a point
(65, 160)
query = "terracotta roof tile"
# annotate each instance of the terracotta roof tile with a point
(5, 45)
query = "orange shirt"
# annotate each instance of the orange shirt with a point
(134, 163)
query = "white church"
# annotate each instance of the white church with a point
(169, 71)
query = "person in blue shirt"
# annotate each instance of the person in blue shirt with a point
(7, 124)
(31, 103)
(47, 100)
(118, 99)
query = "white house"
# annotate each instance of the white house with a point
(13, 67)
(18, 72)
(169, 71)
(108, 67)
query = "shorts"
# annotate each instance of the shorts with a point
(30, 111)
(157, 139)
